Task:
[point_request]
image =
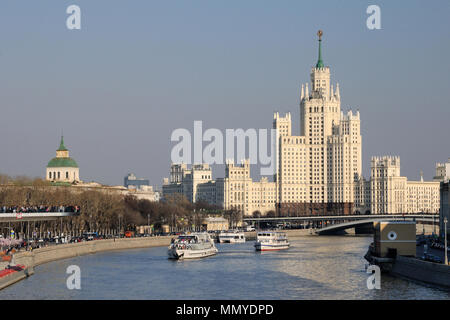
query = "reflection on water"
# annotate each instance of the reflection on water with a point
(313, 268)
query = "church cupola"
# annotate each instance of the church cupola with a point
(62, 168)
(62, 151)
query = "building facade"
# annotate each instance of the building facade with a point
(444, 212)
(235, 191)
(390, 193)
(442, 171)
(239, 192)
(387, 187)
(186, 181)
(132, 182)
(62, 168)
(318, 171)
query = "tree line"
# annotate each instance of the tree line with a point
(102, 210)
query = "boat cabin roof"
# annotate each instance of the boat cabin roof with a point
(270, 233)
(203, 236)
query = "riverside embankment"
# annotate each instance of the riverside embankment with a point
(40, 256)
(34, 258)
(423, 271)
(64, 251)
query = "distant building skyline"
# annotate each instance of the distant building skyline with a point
(318, 171)
(132, 181)
(120, 85)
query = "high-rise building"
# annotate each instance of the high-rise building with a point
(320, 169)
(387, 187)
(393, 194)
(185, 181)
(238, 191)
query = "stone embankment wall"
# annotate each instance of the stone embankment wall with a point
(14, 277)
(64, 251)
(423, 271)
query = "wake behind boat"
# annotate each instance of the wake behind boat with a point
(191, 246)
(271, 240)
(232, 236)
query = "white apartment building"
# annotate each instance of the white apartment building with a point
(236, 191)
(387, 187)
(393, 194)
(186, 181)
(422, 196)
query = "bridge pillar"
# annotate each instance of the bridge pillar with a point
(364, 229)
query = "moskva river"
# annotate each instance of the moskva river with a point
(313, 268)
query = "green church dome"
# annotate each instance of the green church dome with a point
(62, 162)
(62, 159)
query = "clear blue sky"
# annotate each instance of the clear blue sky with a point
(137, 70)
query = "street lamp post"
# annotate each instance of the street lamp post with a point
(445, 241)
(119, 226)
(148, 222)
(434, 228)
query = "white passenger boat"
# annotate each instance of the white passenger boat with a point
(232, 236)
(271, 240)
(191, 246)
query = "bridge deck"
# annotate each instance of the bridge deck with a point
(34, 216)
(350, 221)
(344, 217)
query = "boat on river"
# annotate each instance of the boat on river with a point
(192, 246)
(271, 241)
(232, 236)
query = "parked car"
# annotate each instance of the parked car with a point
(129, 234)
(89, 235)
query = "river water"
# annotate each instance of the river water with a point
(313, 268)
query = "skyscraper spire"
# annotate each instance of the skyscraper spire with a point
(337, 94)
(319, 63)
(306, 91)
(302, 93)
(331, 92)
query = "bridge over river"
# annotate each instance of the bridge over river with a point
(34, 216)
(325, 225)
